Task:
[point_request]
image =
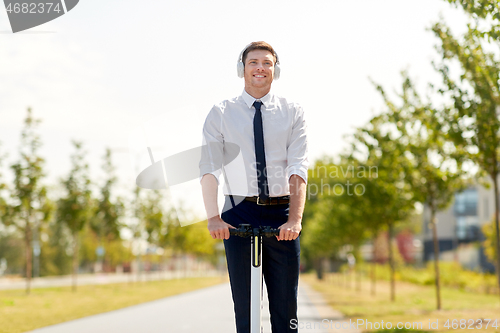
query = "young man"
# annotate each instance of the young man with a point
(267, 187)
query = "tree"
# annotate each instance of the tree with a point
(391, 198)
(154, 219)
(435, 165)
(137, 226)
(473, 117)
(191, 238)
(54, 257)
(110, 209)
(160, 227)
(331, 219)
(370, 200)
(3, 186)
(12, 250)
(489, 242)
(11, 244)
(3, 212)
(483, 11)
(30, 207)
(106, 225)
(76, 208)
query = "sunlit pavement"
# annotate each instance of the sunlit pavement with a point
(208, 310)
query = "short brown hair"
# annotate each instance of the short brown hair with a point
(259, 46)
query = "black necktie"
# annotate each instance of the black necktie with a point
(260, 154)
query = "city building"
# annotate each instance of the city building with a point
(459, 228)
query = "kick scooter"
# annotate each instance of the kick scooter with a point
(255, 234)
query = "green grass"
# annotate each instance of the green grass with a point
(20, 312)
(414, 303)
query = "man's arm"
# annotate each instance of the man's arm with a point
(291, 229)
(210, 164)
(216, 226)
(297, 167)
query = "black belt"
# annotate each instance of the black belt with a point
(270, 201)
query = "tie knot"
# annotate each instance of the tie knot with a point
(257, 105)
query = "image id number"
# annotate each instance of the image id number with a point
(33, 8)
(470, 324)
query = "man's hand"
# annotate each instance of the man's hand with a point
(289, 230)
(218, 229)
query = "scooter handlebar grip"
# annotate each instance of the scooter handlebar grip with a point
(243, 230)
(270, 232)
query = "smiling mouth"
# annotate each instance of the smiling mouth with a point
(259, 76)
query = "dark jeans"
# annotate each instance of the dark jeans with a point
(280, 265)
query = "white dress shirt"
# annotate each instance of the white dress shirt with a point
(285, 143)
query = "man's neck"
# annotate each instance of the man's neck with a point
(257, 93)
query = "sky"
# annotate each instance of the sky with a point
(127, 74)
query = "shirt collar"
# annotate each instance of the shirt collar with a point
(266, 100)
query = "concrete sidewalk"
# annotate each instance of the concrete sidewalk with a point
(209, 310)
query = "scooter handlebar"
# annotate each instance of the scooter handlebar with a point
(246, 230)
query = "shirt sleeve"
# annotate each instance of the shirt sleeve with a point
(297, 151)
(213, 144)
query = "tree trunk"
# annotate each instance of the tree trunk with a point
(436, 257)
(139, 262)
(373, 277)
(75, 259)
(35, 247)
(132, 260)
(357, 274)
(391, 263)
(162, 265)
(319, 269)
(29, 257)
(373, 269)
(497, 208)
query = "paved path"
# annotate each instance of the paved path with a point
(101, 278)
(208, 310)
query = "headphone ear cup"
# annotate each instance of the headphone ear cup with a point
(240, 67)
(277, 71)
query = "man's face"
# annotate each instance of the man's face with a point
(259, 69)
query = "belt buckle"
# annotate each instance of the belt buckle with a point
(259, 203)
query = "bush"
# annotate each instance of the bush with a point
(451, 273)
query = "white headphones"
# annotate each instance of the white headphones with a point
(240, 66)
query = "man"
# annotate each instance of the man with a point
(267, 187)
